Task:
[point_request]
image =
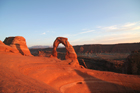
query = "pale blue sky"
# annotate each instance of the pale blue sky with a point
(81, 21)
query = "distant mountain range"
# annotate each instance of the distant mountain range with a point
(39, 46)
(43, 46)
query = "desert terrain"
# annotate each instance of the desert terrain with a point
(105, 57)
(21, 72)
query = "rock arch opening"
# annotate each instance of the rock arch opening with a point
(61, 51)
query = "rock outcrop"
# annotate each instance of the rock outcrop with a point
(133, 63)
(70, 52)
(1, 42)
(7, 48)
(18, 43)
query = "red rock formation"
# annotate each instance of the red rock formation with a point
(1, 42)
(18, 43)
(7, 48)
(81, 49)
(70, 52)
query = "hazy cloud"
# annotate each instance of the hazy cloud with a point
(128, 32)
(110, 27)
(125, 27)
(129, 24)
(47, 32)
(113, 38)
(136, 28)
(118, 38)
(88, 31)
(44, 33)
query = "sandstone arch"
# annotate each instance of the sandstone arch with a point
(70, 52)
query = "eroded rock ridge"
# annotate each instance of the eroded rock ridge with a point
(17, 44)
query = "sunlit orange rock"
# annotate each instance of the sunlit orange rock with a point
(70, 52)
(2, 46)
(1, 42)
(7, 48)
(18, 43)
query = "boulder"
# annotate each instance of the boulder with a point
(18, 43)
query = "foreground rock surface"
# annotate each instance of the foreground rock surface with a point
(20, 74)
(18, 43)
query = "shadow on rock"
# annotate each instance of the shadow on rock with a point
(19, 49)
(95, 85)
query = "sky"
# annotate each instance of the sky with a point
(81, 21)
